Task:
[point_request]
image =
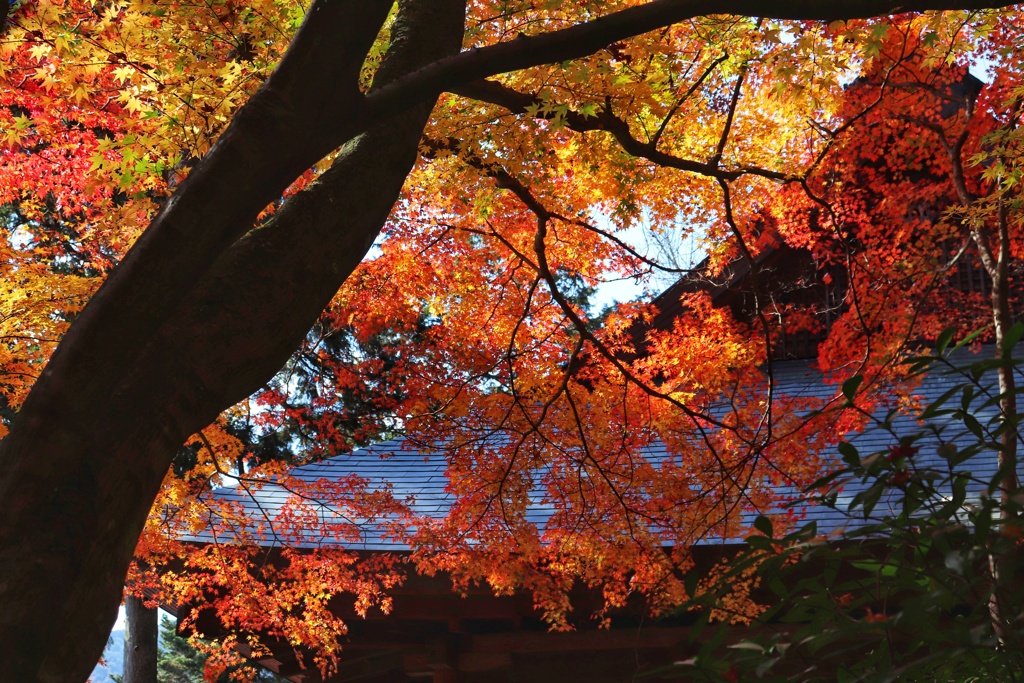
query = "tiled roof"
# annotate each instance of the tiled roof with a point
(419, 475)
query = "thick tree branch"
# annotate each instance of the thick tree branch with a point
(587, 38)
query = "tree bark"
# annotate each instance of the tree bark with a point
(589, 37)
(1002, 565)
(87, 455)
(140, 642)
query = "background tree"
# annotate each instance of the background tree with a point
(180, 662)
(140, 642)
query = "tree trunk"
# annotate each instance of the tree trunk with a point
(85, 458)
(140, 642)
(1002, 565)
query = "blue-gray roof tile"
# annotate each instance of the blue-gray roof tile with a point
(419, 475)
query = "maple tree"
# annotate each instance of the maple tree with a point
(223, 172)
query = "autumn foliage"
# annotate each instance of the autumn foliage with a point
(471, 328)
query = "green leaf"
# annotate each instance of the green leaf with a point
(968, 339)
(690, 583)
(973, 425)
(764, 525)
(850, 454)
(932, 409)
(944, 338)
(851, 385)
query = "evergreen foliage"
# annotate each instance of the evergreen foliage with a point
(179, 662)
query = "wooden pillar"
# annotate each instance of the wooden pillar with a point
(140, 636)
